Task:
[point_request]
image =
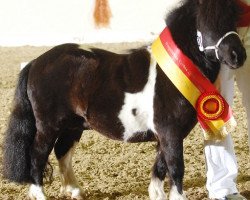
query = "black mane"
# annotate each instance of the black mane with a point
(182, 24)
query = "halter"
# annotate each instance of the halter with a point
(215, 47)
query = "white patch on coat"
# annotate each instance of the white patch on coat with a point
(143, 103)
(156, 189)
(36, 193)
(175, 195)
(69, 183)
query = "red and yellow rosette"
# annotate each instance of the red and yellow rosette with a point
(213, 111)
(210, 106)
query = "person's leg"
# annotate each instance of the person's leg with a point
(220, 157)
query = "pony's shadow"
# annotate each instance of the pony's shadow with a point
(98, 195)
(246, 194)
(244, 178)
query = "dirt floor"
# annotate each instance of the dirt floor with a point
(108, 169)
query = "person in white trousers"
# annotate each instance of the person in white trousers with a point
(222, 168)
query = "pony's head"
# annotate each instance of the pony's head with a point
(216, 34)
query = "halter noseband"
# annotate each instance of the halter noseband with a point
(215, 47)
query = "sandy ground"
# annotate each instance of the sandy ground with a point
(108, 169)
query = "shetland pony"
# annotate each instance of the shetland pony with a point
(123, 96)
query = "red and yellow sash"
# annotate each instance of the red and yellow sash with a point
(212, 110)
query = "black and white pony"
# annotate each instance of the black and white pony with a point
(123, 96)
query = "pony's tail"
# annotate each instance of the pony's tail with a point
(19, 135)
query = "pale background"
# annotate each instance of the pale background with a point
(51, 22)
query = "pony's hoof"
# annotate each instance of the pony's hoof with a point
(175, 195)
(36, 193)
(179, 197)
(73, 192)
(76, 194)
(155, 190)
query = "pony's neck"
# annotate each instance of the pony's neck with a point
(182, 25)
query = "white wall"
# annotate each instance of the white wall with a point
(50, 22)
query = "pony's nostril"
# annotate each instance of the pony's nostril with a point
(234, 57)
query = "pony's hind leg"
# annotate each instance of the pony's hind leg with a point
(64, 150)
(156, 187)
(41, 148)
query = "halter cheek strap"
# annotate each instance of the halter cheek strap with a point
(215, 47)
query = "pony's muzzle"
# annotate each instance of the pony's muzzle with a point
(234, 57)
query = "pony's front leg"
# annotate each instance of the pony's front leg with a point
(156, 187)
(172, 147)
